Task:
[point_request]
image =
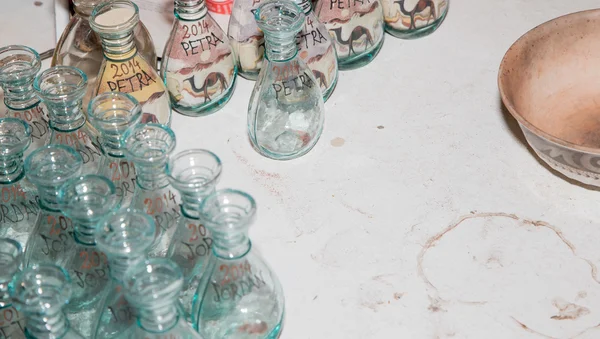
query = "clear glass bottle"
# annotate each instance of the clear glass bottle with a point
(153, 287)
(356, 27)
(411, 19)
(86, 200)
(198, 65)
(12, 322)
(80, 47)
(316, 49)
(48, 168)
(286, 113)
(148, 146)
(195, 174)
(125, 237)
(62, 89)
(246, 38)
(113, 113)
(18, 198)
(18, 67)
(41, 293)
(123, 68)
(239, 296)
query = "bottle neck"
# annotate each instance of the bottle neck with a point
(191, 201)
(280, 48)
(151, 177)
(46, 325)
(120, 264)
(20, 96)
(84, 232)
(66, 116)
(4, 295)
(231, 245)
(111, 143)
(11, 169)
(48, 196)
(305, 5)
(158, 319)
(119, 47)
(190, 9)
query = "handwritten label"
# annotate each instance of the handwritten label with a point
(197, 244)
(59, 236)
(36, 119)
(12, 324)
(91, 269)
(12, 213)
(128, 77)
(312, 36)
(343, 4)
(237, 281)
(89, 150)
(164, 209)
(120, 310)
(288, 79)
(122, 174)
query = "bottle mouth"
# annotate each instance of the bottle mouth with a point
(114, 17)
(149, 143)
(43, 288)
(61, 84)
(15, 137)
(228, 210)
(114, 112)
(10, 258)
(279, 17)
(153, 283)
(88, 198)
(18, 63)
(52, 165)
(127, 233)
(194, 171)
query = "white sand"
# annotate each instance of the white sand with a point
(115, 16)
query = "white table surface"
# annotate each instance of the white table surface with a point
(420, 213)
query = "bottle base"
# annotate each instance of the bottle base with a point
(361, 60)
(249, 75)
(206, 109)
(416, 33)
(331, 88)
(283, 156)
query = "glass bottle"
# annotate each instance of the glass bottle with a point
(18, 198)
(152, 287)
(80, 47)
(18, 67)
(286, 113)
(48, 168)
(194, 173)
(62, 89)
(123, 68)
(86, 200)
(315, 47)
(41, 293)
(239, 296)
(148, 146)
(356, 27)
(12, 322)
(411, 19)
(113, 113)
(246, 38)
(125, 237)
(198, 64)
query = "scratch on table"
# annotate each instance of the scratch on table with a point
(526, 328)
(268, 180)
(357, 209)
(568, 311)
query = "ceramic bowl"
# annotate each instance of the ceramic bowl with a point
(549, 80)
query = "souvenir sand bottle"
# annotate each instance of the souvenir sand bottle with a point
(48, 168)
(410, 19)
(79, 46)
(194, 173)
(239, 295)
(246, 38)
(62, 89)
(124, 69)
(18, 67)
(12, 322)
(356, 28)
(198, 64)
(18, 203)
(112, 114)
(286, 113)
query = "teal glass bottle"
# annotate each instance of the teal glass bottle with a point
(238, 296)
(62, 89)
(41, 293)
(86, 200)
(18, 67)
(125, 237)
(148, 146)
(48, 168)
(246, 38)
(286, 113)
(198, 64)
(153, 287)
(12, 322)
(18, 203)
(194, 174)
(413, 19)
(113, 113)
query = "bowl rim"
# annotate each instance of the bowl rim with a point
(520, 119)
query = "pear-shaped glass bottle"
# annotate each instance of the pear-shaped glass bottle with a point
(286, 113)
(18, 67)
(411, 19)
(80, 47)
(238, 296)
(198, 64)
(246, 38)
(123, 68)
(12, 322)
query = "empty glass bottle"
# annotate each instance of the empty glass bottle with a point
(194, 173)
(62, 89)
(48, 168)
(112, 113)
(316, 49)
(356, 27)
(409, 22)
(246, 38)
(18, 67)
(18, 204)
(148, 146)
(80, 47)
(286, 113)
(239, 296)
(123, 68)
(198, 64)
(12, 322)
(153, 287)
(125, 237)
(41, 293)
